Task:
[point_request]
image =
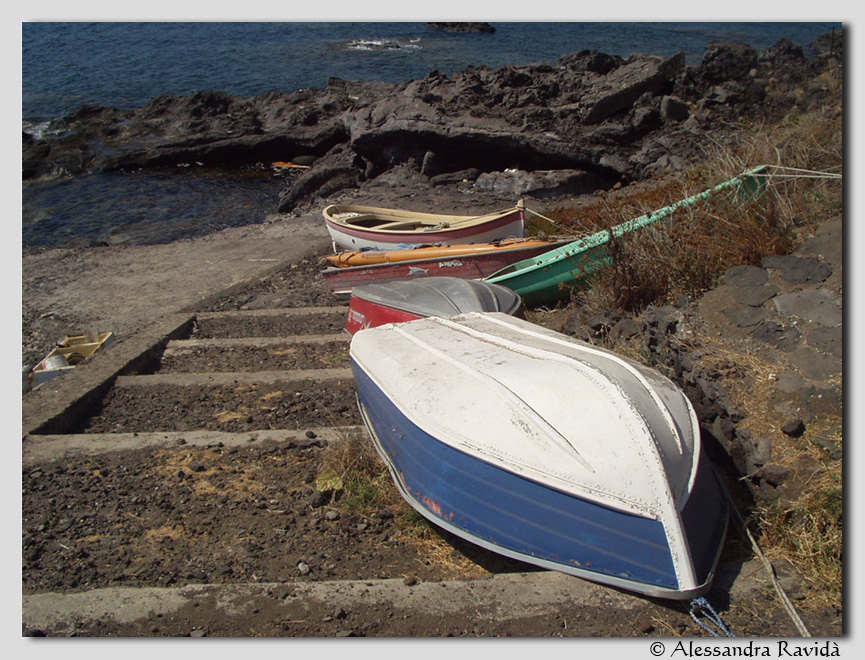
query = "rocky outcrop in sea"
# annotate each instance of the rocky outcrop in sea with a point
(587, 122)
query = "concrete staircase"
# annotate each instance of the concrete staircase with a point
(55, 413)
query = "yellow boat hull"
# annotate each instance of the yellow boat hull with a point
(352, 258)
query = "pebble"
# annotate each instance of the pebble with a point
(317, 499)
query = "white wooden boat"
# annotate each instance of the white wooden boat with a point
(68, 354)
(354, 227)
(544, 448)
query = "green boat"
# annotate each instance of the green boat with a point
(550, 277)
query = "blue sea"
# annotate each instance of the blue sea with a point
(126, 64)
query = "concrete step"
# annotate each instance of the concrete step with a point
(272, 313)
(270, 322)
(41, 448)
(58, 406)
(181, 345)
(299, 608)
(233, 378)
(251, 354)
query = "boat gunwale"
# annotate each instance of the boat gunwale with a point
(405, 305)
(401, 215)
(441, 251)
(332, 270)
(432, 233)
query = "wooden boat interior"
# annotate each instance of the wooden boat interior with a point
(397, 220)
(369, 221)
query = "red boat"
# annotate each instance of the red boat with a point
(397, 302)
(470, 265)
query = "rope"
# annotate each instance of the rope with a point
(799, 173)
(785, 600)
(543, 217)
(701, 606)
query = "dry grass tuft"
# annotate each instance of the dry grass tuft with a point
(808, 535)
(365, 485)
(209, 479)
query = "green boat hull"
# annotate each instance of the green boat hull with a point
(551, 277)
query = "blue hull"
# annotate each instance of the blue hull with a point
(523, 519)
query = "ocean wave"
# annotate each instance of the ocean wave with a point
(39, 130)
(398, 43)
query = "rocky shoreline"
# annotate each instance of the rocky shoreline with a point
(590, 121)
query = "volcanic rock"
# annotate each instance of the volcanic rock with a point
(587, 122)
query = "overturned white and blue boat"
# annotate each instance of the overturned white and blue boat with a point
(545, 449)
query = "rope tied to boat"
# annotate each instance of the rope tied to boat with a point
(550, 220)
(782, 172)
(701, 606)
(743, 527)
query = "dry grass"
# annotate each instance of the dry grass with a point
(239, 487)
(808, 535)
(363, 485)
(804, 529)
(359, 479)
(687, 253)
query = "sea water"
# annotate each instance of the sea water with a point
(126, 64)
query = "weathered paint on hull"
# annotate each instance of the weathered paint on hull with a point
(520, 518)
(397, 302)
(551, 277)
(364, 314)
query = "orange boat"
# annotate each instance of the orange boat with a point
(352, 258)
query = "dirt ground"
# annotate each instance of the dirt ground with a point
(183, 515)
